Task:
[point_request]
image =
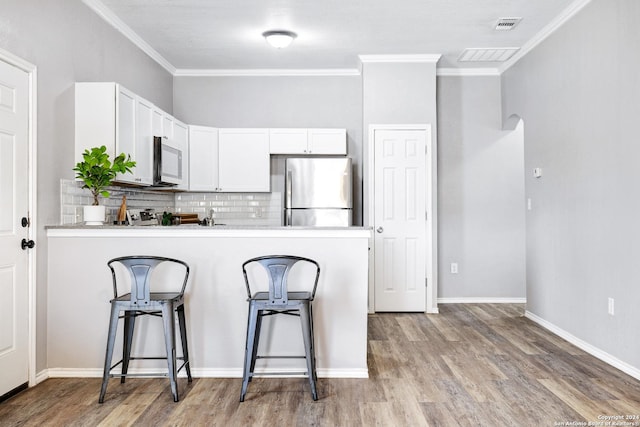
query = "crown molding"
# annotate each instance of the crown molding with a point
(105, 13)
(549, 29)
(399, 58)
(267, 72)
(467, 72)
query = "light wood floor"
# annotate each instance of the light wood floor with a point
(472, 365)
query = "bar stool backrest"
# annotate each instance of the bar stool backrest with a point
(140, 268)
(278, 268)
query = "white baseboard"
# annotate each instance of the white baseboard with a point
(41, 376)
(74, 373)
(594, 351)
(481, 300)
(202, 373)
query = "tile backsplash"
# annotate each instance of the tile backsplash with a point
(233, 208)
(228, 208)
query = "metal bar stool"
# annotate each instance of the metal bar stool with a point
(140, 302)
(279, 300)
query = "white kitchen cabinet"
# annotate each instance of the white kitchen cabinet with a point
(203, 159)
(167, 126)
(243, 163)
(327, 141)
(181, 139)
(143, 146)
(125, 125)
(229, 160)
(308, 141)
(288, 141)
(110, 115)
(158, 120)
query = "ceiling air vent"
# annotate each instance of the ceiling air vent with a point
(506, 24)
(487, 54)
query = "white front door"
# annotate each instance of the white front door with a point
(14, 199)
(400, 244)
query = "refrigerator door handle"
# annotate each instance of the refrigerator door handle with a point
(287, 195)
(288, 189)
(287, 217)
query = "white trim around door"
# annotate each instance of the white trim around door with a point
(431, 209)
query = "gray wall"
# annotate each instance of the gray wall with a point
(578, 93)
(480, 193)
(271, 102)
(399, 93)
(68, 42)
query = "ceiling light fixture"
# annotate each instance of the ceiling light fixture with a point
(279, 38)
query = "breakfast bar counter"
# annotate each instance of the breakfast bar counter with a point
(79, 290)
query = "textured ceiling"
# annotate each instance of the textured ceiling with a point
(226, 34)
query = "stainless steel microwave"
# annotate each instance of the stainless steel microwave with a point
(167, 162)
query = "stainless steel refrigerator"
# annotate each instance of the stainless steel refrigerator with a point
(318, 192)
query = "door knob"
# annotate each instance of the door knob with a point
(379, 229)
(27, 244)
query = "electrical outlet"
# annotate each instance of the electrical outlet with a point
(611, 309)
(454, 268)
(529, 204)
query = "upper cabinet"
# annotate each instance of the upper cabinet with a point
(141, 145)
(327, 141)
(181, 140)
(203, 159)
(229, 160)
(308, 141)
(243, 163)
(110, 115)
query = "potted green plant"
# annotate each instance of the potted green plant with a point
(97, 172)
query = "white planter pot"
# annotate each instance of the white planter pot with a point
(93, 215)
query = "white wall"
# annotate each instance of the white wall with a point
(578, 93)
(68, 42)
(481, 193)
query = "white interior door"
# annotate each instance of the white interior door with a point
(14, 199)
(400, 244)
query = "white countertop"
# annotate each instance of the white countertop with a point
(194, 230)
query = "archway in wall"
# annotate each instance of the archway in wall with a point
(515, 124)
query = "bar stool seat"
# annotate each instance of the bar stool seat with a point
(140, 301)
(279, 301)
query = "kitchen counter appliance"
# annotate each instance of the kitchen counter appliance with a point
(318, 192)
(167, 162)
(142, 217)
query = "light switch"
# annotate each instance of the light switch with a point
(537, 172)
